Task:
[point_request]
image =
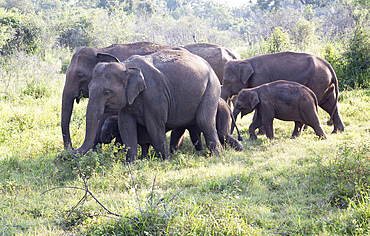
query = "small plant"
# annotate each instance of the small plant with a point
(278, 41)
(36, 90)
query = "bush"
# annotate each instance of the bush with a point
(18, 32)
(278, 41)
(72, 27)
(357, 59)
(303, 34)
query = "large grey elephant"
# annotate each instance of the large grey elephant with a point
(309, 70)
(161, 91)
(284, 100)
(79, 72)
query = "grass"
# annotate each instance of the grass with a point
(304, 186)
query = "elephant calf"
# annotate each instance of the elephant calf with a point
(284, 100)
(110, 130)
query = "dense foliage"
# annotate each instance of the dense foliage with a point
(336, 30)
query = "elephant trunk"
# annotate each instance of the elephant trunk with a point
(235, 114)
(93, 114)
(225, 94)
(67, 107)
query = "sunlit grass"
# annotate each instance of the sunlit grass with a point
(304, 186)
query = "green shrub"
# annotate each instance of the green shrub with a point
(357, 60)
(303, 34)
(278, 41)
(18, 32)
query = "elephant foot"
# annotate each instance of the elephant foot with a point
(239, 148)
(252, 138)
(336, 130)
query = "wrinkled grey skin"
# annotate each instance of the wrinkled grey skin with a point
(110, 130)
(224, 117)
(309, 70)
(80, 71)
(284, 100)
(161, 91)
(215, 55)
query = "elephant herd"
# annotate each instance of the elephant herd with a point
(137, 92)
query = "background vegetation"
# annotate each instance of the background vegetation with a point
(289, 187)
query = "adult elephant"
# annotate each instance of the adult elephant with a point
(80, 71)
(309, 70)
(161, 91)
(215, 55)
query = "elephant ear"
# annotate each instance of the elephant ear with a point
(245, 71)
(135, 84)
(254, 100)
(106, 57)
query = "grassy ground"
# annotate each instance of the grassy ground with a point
(304, 186)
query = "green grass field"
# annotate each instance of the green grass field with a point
(304, 186)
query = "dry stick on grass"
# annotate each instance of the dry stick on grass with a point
(87, 191)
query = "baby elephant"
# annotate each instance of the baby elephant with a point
(288, 101)
(109, 131)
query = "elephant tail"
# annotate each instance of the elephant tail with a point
(233, 124)
(334, 81)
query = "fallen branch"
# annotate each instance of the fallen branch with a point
(87, 192)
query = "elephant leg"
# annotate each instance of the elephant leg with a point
(176, 138)
(195, 136)
(261, 130)
(128, 130)
(319, 131)
(157, 134)
(267, 123)
(256, 123)
(144, 149)
(297, 129)
(330, 105)
(314, 122)
(206, 121)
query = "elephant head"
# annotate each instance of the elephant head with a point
(109, 131)
(113, 87)
(236, 76)
(78, 77)
(246, 102)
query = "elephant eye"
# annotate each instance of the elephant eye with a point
(106, 93)
(80, 76)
